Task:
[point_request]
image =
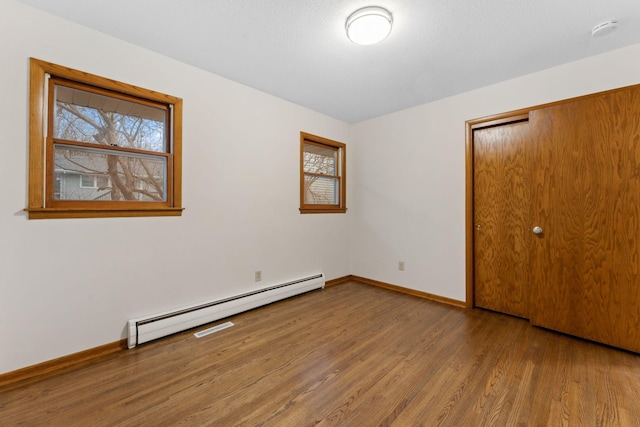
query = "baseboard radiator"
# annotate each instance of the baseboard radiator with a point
(162, 324)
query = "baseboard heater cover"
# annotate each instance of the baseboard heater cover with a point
(162, 324)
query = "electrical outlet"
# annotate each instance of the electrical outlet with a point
(401, 265)
(258, 275)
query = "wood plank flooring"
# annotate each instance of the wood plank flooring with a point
(350, 355)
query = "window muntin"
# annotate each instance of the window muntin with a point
(100, 147)
(322, 175)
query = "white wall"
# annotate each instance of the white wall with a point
(70, 285)
(410, 172)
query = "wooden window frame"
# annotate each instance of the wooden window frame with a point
(341, 207)
(41, 173)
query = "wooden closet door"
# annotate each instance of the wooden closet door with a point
(585, 266)
(501, 217)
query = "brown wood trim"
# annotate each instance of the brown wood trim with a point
(469, 259)
(37, 103)
(413, 292)
(52, 213)
(52, 366)
(102, 82)
(338, 281)
(109, 150)
(73, 84)
(523, 111)
(115, 205)
(322, 210)
(501, 119)
(176, 149)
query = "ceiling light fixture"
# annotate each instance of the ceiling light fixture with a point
(369, 25)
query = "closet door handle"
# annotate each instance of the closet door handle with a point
(537, 230)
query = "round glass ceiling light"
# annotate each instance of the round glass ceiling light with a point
(369, 25)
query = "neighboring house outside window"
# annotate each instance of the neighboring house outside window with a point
(322, 175)
(70, 185)
(108, 148)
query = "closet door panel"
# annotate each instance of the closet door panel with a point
(501, 217)
(585, 265)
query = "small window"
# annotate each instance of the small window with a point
(87, 181)
(92, 181)
(322, 175)
(100, 147)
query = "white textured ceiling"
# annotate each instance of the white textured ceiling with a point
(297, 49)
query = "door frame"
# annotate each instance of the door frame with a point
(471, 125)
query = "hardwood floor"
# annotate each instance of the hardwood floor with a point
(350, 355)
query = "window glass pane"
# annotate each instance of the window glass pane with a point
(118, 177)
(86, 180)
(57, 187)
(97, 119)
(320, 190)
(102, 181)
(318, 159)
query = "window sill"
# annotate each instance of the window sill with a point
(322, 210)
(54, 213)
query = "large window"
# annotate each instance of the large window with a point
(100, 147)
(322, 175)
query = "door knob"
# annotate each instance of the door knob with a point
(537, 230)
